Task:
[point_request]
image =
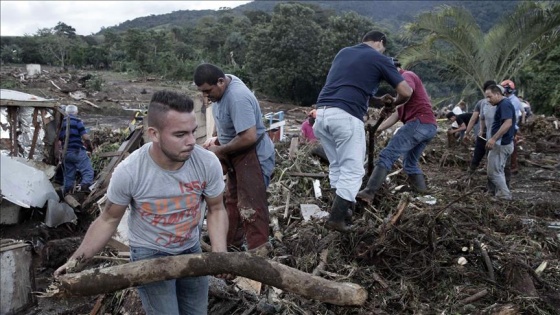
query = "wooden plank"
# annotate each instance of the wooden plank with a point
(12, 117)
(310, 175)
(14, 103)
(109, 154)
(35, 133)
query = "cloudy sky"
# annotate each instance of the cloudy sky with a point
(26, 17)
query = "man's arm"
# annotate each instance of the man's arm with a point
(217, 219)
(404, 93)
(503, 129)
(98, 234)
(391, 120)
(472, 122)
(242, 141)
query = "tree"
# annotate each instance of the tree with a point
(539, 81)
(55, 47)
(452, 38)
(283, 56)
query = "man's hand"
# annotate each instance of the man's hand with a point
(212, 141)
(490, 143)
(387, 99)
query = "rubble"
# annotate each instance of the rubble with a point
(453, 251)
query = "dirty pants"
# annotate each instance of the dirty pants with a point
(497, 158)
(246, 203)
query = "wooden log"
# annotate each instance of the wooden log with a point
(35, 133)
(90, 103)
(105, 280)
(310, 175)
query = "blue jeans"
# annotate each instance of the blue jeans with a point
(77, 161)
(497, 158)
(184, 296)
(409, 142)
(343, 138)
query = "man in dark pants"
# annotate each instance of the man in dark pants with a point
(420, 127)
(73, 136)
(480, 142)
(244, 147)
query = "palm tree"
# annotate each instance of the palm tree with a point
(451, 37)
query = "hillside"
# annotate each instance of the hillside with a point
(390, 13)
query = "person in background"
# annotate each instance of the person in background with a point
(73, 136)
(352, 81)
(420, 127)
(456, 134)
(480, 142)
(499, 140)
(244, 147)
(163, 183)
(519, 119)
(307, 134)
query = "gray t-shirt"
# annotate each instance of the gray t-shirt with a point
(237, 111)
(487, 114)
(165, 205)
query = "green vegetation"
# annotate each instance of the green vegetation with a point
(451, 38)
(284, 49)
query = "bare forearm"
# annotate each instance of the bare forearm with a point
(472, 122)
(217, 229)
(391, 120)
(96, 237)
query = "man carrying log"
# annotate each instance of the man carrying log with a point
(419, 129)
(164, 182)
(245, 149)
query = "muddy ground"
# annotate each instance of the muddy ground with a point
(410, 267)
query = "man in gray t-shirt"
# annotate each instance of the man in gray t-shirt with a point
(245, 150)
(164, 183)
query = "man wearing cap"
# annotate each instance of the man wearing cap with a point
(352, 82)
(509, 92)
(73, 136)
(499, 140)
(419, 129)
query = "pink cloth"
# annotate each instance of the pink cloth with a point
(307, 131)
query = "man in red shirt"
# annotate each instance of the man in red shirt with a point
(410, 140)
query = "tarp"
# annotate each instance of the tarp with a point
(25, 185)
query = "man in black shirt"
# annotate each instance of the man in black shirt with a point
(456, 134)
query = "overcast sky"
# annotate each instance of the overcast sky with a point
(26, 17)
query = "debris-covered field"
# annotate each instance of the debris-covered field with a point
(456, 251)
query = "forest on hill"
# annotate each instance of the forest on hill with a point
(283, 50)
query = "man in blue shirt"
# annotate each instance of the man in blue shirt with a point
(352, 81)
(73, 135)
(500, 142)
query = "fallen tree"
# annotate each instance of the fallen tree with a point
(110, 279)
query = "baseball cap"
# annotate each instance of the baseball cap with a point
(508, 82)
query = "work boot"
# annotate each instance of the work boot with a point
(471, 170)
(375, 181)
(418, 183)
(339, 214)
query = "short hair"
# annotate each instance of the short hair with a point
(487, 84)
(71, 109)
(375, 36)
(207, 73)
(449, 115)
(164, 101)
(496, 89)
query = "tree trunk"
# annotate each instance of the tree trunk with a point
(106, 280)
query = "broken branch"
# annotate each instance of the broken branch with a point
(105, 280)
